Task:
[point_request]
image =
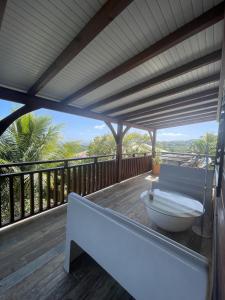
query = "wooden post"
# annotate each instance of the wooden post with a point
(119, 151)
(152, 134)
(220, 149)
(118, 136)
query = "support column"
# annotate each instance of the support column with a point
(118, 136)
(220, 148)
(152, 134)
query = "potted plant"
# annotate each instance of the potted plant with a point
(156, 165)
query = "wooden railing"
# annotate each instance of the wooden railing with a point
(29, 188)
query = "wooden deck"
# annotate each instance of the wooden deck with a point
(32, 252)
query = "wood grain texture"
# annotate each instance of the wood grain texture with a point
(188, 67)
(31, 252)
(205, 20)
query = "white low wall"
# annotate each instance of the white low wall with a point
(147, 264)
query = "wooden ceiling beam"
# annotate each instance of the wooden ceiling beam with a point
(186, 119)
(206, 110)
(210, 117)
(7, 121)
(187, 104)
(200, 23)
(39, 102)
(186, 100)
(101, 19)
(188, 67)
(170, 92)
(2, 10)
(178, 111)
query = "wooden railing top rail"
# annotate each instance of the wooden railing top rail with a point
(40, 162)
(186, 154)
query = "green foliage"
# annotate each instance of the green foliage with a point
(199, 146)
(132, 143)
(29, 138)
(69, 149)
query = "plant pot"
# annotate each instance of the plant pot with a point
(155, 169)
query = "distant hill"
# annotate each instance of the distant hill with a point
(175, 146)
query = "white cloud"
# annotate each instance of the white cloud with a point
(99, 126)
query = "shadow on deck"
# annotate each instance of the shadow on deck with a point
(32, 252)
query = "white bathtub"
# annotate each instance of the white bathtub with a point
(174, 212)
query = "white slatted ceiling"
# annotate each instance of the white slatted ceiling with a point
(140, 25)
(209, 39)
(165, 99)
(35, 32)
(171, 110)
(179, 117)
(176, 82)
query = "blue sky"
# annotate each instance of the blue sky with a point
(84, 129)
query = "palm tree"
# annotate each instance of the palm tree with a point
(199, 146)
(29, 138)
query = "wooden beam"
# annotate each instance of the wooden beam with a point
(177, 112)
(170, 92)
(119, 150)
(7, 121)
(181, 117)
(174, 120)
(187, 104)
(186, 100)
(152, 134)
(207, 19)
(126, 130)
(188, 67)
(101, 19)
(188, 122)
(39, 102)
(2, 10)
(112, 129)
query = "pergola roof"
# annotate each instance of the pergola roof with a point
(145, 63)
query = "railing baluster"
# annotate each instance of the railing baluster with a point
(11, 200)
(31, 178)
(84, 185)
(40, 189)
(62, 176)
(68, 180)
(22, 207)
(48, 190)
(79, 180)
(55, 188)
(74, 180)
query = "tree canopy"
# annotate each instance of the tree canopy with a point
(132, 143)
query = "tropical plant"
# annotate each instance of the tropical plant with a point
(199, 146)
(29, 138)
(132, 143)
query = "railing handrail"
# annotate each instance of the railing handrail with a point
(186, 154)
(40, 162)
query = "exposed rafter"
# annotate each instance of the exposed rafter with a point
(101, 19)
(206, 110)
(188, 67)
(194, 120)
(177, 111)
(7, 121)
(170, 92)
(39, 102)
(186, 100)
(207, 19)
(187, 104)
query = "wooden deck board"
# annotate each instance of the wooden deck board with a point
(31, 252)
